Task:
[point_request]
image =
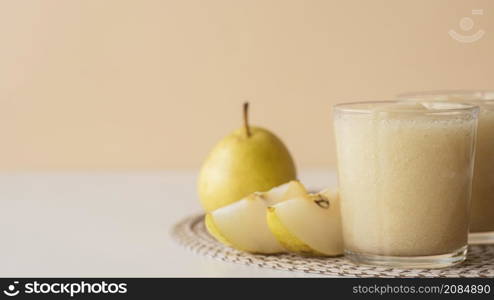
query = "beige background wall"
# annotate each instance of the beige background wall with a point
(114, 84)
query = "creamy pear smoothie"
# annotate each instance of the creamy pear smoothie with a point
(482, 208)
(405, 175)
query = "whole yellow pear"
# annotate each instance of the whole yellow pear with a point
(250, 159)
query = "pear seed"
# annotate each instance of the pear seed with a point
(322, 203)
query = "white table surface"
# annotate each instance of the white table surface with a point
(103, 224)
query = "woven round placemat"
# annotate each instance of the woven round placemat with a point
(192, 234)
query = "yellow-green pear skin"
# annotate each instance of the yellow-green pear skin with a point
(241, 164)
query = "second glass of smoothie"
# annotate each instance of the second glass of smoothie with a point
(405, 174)
(482, 209)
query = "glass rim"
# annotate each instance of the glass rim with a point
(468, 95)
(368, 107)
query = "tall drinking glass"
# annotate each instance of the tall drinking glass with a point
(482, 209)
(405, 173)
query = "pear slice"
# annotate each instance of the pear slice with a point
(309, 224)
(243, 224)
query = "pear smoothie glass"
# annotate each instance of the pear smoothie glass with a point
(482, 208)
(405, 173)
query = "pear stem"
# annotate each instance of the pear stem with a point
(246, 118)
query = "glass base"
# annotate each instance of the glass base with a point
(420, 262)
(476, 238)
